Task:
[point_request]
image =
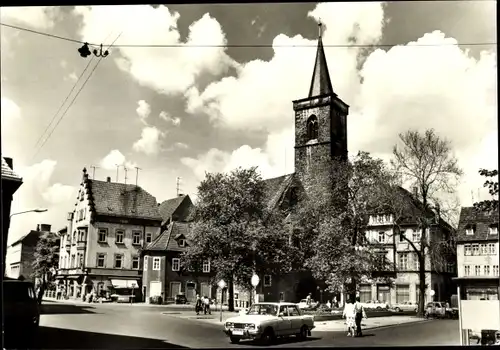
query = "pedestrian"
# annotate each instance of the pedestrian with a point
(360, 314)
(199, 304)
(328, 304)
(335, 304)
(308, 300)
(349, 317)
(206, 306)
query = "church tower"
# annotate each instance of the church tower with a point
(320, 125)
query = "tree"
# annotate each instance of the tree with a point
(333, 223)
(234, 230)
(426, 163)
(46, 261)
(492, 185)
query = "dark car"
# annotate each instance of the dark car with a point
(21, 312)
(180, 299)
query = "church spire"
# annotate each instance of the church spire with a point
(320, 83)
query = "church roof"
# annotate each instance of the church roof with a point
(275, 188)
(320, 83)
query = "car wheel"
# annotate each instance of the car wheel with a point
(397, 309)
(303, 332)
(268, 336)
(234, 340)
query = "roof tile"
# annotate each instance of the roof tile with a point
(482, 221)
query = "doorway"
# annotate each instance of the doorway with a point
(383, 293)
(190, 291)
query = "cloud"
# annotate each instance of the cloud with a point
(11, 116)
(150, 141)
(169, 71)
(72, 77)
(389, 92)
(114, 158)
(143, 110)
(38, 191)
(176, 121)
(42, 17)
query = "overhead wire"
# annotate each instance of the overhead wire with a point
(242, 45)
(72, 102)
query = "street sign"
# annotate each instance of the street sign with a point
(221, 284)
(255, 280)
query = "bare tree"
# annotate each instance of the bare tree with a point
(426, 163)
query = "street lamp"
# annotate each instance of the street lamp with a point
(222, 285)
(255, 282)
(38, 210)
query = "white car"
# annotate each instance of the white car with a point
(303, 304)
(267, 321)
(375, 304)
(405, 306)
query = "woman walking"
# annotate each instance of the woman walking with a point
(349, 317)
(199, 304)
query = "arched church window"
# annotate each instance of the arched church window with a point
(312, 128)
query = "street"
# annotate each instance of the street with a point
(126, 326)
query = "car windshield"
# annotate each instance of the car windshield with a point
(18, 292)
(263, 309)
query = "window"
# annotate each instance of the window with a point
(469, 230)
(468, 249)
(495, 270)
(417, 235)
(146, 258)
(381, 237)
(491, 249)
(79, 258)
(136, 237)
(416, 263)
(84, 213)
(118, 261)
(483, 249)
(119, 236)
(292, 311)
(493, 229)
(402, 293)
(74, 237)
(181, 242)
(101, 259)
(149, 237)
(156, 263)
(312, 128)
(176, 264)
(486, 270)
(103, 235)
(477, 270)
(365, 293)
(267, 280)
(479, 293)
(135, 263)
(402, 236)
(403, 261)
(467, 270)
(475, 249)
(206, 266)
(81, 196)
(81, 236)
(73, 260)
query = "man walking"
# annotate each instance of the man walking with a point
(359, 311)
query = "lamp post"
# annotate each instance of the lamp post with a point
(221, 285)
(255, 282)
(29, 211)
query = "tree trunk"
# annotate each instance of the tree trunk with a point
(230, 299)
(421, 273)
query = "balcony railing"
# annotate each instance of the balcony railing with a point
(80, 245)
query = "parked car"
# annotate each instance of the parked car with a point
(267, 321)
(21, 312)
(435, 309)
(180, 299)
(303, 304)
(375, 304)
(405, 306)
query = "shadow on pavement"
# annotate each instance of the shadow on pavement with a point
(53, 308)
(57, 338)
(281, 341)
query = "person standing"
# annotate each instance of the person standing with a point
(199, 304)
(206, 302)
(308, 300)
(359, 311)
(349, 317)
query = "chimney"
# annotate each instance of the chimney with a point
(180, 194)
(9, 162)
(38, 228)
(108, 179)
(45, 228)
(85, 176)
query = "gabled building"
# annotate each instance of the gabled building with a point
(478, 279)
(21, 253)
(106, 231)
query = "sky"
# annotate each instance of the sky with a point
(205, 105)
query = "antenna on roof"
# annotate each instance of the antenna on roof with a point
(93, 167)
(117, 167)
(178, 187)
(125, 169)
(137, 174)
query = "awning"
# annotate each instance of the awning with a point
(124, 283)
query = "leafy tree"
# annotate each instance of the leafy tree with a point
(492, 185)
(234, 230)
(426, 163)
(333, 223)
(46, 261)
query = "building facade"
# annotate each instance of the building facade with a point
(478, 279)
(20, 254)
(106, 231)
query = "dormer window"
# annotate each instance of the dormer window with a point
(312, 128)
(469, 230)
(181, 242)
(494, 229)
